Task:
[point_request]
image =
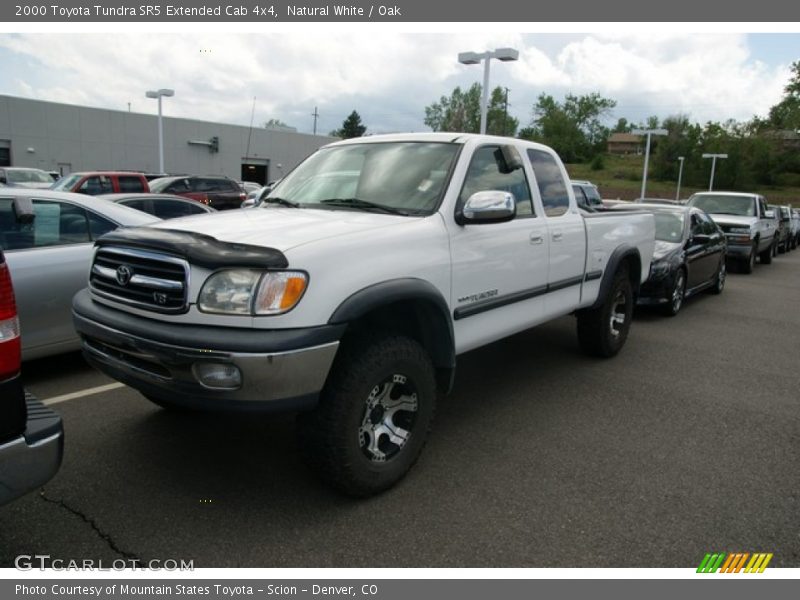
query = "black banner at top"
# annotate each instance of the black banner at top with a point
(400, 11)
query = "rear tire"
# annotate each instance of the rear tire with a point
(748, 264)
(373, 416)
(602, 331)
(719, 278)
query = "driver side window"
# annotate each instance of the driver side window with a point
(484, 174)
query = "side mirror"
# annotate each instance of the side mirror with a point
(510, 159)
(488, 207)
(23, 210)
(770, 214)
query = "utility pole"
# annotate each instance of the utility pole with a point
(315, 114)
(680, 176)
(505, 113)
(713, 158)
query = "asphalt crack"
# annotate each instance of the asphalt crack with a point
(106, 537)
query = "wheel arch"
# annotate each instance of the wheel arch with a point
(414, 307)
(622, 255)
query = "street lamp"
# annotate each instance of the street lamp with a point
(648, 133)
(158, 94)
(713, 158)
(474, 58)
(680, 174)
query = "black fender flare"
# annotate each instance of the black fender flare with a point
(620, 253)
(437, 319)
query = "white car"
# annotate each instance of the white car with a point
(48, 239)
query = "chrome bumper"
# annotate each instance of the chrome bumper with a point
(29, 461)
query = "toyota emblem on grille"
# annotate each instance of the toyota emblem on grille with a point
(124, 274)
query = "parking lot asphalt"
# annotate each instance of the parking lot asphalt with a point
(687, 442)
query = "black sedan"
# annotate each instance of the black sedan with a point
(163, 206)
(689, 256)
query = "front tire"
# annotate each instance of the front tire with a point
(675, 301)
(602, 331)
(373, 416)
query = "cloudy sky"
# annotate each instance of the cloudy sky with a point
(390, 77)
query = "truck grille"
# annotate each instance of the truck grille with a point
(147, 280)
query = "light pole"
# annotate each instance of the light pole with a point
(158, 94)
(474, 58)
(680, 174)
(648, 133)
(713, 158)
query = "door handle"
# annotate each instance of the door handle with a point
(536, 238)
(557, 236)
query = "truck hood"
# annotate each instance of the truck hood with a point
(282, 228)
(722, 219)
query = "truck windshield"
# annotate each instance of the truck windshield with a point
(403, 177)
(725, 205)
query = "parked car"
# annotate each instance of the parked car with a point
(94, 183)
(747, 223)
(47, 238)
(25, 177)
(250, 187)
(783, 222)
(216, 191)
(163, 206)
(352, 306)
(31, 435)
(667, 201)
(689, 256)
(586, 194)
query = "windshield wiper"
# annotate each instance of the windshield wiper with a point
(363, 205)
(281, 201)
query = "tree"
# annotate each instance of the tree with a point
(275, 124)
(351, 127)
(573, 128)
(461, 112)
(786, 114)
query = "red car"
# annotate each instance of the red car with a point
(216, 191)
(94, 183)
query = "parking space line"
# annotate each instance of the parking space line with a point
(81, 393)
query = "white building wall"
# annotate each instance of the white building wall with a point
(98, 139)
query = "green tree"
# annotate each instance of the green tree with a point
(573, 128)
(275, 124)
(351, 127)
(786, 114)
(461, 112)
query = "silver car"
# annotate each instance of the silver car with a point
(47, 238)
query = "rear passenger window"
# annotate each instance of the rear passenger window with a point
(484, 175)
(168, 209)
(99, 225)
(552, 189)
(130, 184)
(96, 185)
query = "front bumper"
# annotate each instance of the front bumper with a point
(656, 291)
(279, 369)
(33, 458)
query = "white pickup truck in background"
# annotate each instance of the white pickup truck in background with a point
(350, 292)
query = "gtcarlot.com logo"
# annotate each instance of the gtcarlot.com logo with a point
(734, 562)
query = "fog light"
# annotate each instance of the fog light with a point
(218, 375)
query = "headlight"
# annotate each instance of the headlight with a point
(252, 292)
(739, 230)
(659, 269)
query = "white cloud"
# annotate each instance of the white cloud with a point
(388, 76)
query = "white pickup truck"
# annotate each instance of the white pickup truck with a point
(349, 293)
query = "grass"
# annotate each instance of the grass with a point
(621, 178)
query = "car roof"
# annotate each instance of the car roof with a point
(142, 195)
(84, 173)
(441, 137)
(717, 193)
(119, 213)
